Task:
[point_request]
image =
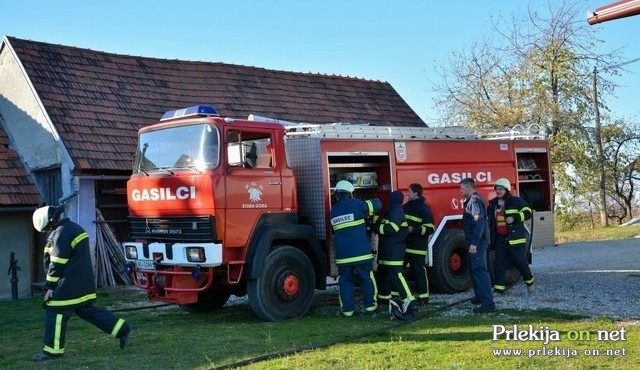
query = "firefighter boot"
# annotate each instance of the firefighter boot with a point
(43, 356)
(124, 336)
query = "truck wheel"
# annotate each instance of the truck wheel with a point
(208, 301)
(510, 278)
(450, 270)
(285, 287)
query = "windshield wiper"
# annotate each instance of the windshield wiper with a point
(191, 167)
(164, 169)
(143, 171)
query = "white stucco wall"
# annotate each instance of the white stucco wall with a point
(37, 142)
(82, 209)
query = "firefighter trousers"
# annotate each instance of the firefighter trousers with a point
(505, 253)
(391, 277)
(56, 318)
(418, 273)
(346, 284)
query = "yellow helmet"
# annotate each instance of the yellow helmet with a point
(503, 183)
(344, 185)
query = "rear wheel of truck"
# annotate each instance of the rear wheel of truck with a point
(208, 301)
(285, 287)
(450, 271)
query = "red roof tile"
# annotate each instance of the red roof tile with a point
(16, 186)
(98, 100)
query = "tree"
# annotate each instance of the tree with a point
(537, 74)
(622, 156)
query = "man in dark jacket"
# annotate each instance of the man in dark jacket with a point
(353, 249)
(392, 230)
(507, 214)
(420, 220)
(70, 283)
(474, 222)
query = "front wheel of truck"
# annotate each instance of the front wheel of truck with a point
(285, 287)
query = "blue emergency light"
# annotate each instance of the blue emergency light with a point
(198, 110)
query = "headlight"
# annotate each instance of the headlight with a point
(131, 252)
(196, 254)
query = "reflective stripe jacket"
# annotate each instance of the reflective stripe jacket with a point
(513, 207)
(348, 223)
(474, 221)
(419, 216)
(392, 230)
(67, 259)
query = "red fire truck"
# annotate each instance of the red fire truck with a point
(222, 206)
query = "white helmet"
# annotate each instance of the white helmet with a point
(344, 185)
(503, 183)
(44, 216)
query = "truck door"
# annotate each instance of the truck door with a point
(253, 181)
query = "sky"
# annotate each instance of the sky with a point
(401, 42)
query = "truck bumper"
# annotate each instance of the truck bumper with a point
(167, 274)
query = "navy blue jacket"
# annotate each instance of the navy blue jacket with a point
(513, 207)
(474, 221)
(418, 216)
(67, 258)
(348, 223)
(392, 230)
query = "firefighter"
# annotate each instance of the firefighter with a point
(393, 230)
(70, 283)
(353, 249)
(420, 220)
(507, 214)
(474, 222)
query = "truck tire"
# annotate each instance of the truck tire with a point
(450, 271)
(208, 301)
(285, 287)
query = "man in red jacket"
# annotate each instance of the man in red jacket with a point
(70, 283)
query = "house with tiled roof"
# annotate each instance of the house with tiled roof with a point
(19, 197)
(74, 113)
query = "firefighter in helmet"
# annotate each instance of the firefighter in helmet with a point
(353, 249)
(392, 230)
(70, 283)
(507, 214)
(420, 220)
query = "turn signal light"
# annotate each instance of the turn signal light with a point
(196, 254)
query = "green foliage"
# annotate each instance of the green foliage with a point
(538, 72)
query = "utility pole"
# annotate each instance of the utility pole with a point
(604, 221)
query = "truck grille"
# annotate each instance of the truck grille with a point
(173, 228)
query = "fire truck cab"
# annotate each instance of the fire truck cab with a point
(222, 206)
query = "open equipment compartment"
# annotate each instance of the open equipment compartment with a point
(534, 182)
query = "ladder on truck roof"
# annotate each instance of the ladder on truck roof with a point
(365, 131)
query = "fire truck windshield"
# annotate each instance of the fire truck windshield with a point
(194, 147)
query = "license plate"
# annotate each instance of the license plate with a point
(145, 265)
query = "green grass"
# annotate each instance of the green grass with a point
(598, 233)
(466, 343)
(166, 338)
